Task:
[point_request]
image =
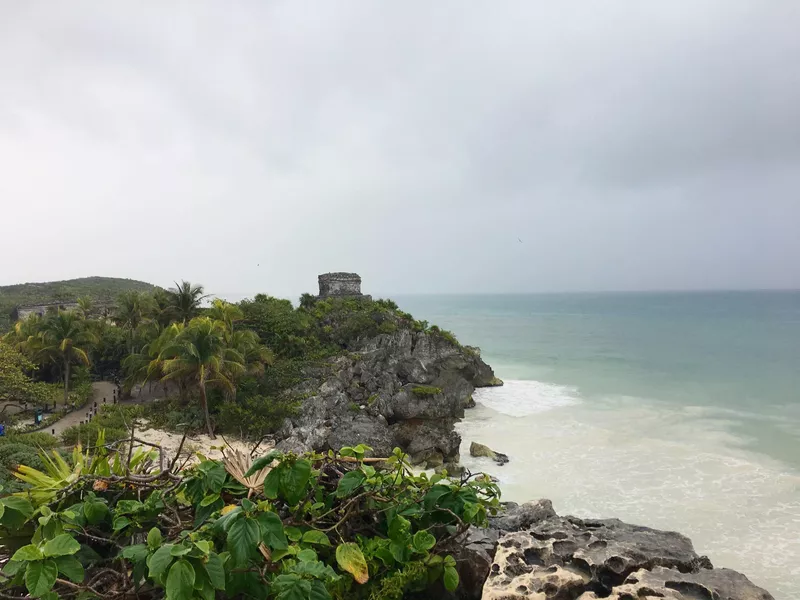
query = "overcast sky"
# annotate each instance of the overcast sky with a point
(429, 146)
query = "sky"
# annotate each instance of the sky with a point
(432, 147)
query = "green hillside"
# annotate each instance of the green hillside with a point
(102, 290)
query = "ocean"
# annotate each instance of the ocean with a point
(679, 411)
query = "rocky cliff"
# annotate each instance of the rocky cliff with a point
(531, 553)
(405, 389)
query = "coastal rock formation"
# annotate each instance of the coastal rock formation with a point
(403, 389)
(477, 450)
(540, 555)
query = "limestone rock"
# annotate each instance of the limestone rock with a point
(566, 557)
(406, 389)
(476, 449)
(706, 584)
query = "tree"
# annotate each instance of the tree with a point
(15, 384)
(131, 311)
(226, 312)
(185, 300)
(85, 307)
(199, 354)
(65, 340)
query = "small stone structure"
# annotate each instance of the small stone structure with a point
(341, 285)
(41, 309)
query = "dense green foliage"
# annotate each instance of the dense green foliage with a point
(227, 367)
(285, 527)
(17, 449)
(102, 291)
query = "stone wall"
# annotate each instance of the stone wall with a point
(339, 284)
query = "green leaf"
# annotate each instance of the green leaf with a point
(318, 591)
(243, 538)
(180, 581)
(307, 555)
(449, 561)
(40, 577)
(350, 559)
(121, 523)
(12, 567)
(135, 553)
(272, 533)
(180, 550)
(399, 529)
(423, 541)
(216, 571)
(160, 560)
(294, 534)
(314, 536)
(294, 481)
(272, 482)
(400, 551)
(19, 504)
(247, 505)
(350, 483)
(94, 511)
(210, 499)
(29, 552)
(215, 478)
(71, 567)
(61, 545)
(262, 462)
(154, 538)
(450, 578)
(124, 507)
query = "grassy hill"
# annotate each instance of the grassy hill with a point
(103, 290)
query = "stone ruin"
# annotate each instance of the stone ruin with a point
(341, 285)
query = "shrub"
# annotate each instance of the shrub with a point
(425, 391)
(256, 416)
(115, 420)
(313, 526)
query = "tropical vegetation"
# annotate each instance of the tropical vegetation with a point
(93, 524)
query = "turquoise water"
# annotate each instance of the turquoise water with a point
(675, 410)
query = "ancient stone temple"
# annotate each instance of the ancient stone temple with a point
(347, 285)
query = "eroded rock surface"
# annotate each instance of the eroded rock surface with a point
(564, 558)
(476, 449)
(404, 389)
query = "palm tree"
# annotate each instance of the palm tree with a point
(130, 312)
(226, 312)
(255, 356)
(65, 340)
(85, 307)
(199, 354)
(185, 300)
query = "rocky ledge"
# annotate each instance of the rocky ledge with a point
(531, 553)
(405, 389)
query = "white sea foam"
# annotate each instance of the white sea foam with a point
(523, 398)
(652, 463)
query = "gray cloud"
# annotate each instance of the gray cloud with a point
(629, 145)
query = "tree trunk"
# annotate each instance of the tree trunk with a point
(204, 403)
(66, 381)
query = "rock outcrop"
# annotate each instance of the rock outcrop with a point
(531, 553)
(404, 389)
(477, 450)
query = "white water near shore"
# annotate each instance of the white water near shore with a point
(646, 462)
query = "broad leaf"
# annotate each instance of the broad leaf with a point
(349, 483)
(423, 541)
(215, 571)
(215, 478)
(160, 561)
(262, 462)
(71, 567)
(94, 511)
(294, 480)
(272, 482)
(61, 545)
(318, 591)
(135, 553)
(29, 552)
(19, 504)
(180, 550)
(315, 536)
(154, 538)
(272, 533)
(243, 538)
(40, 577)
(121, 523)
(450, 577)
(180, 581)
(350, 559)
(210, 499)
